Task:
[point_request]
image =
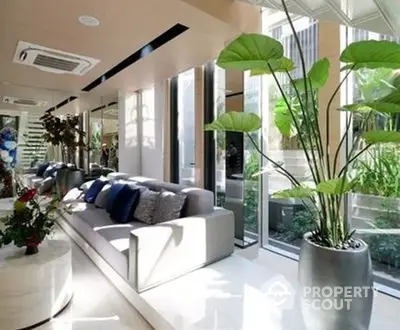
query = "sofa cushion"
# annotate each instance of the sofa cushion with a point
(73, 196)
(102, 196)
(114, 176)
(168, 206)
(147, 204)
(41, 168)
(36, 182)
(46, 185)
(125, 204)
(85, 186)
(114, 190)
(199, 201)
(94, 190)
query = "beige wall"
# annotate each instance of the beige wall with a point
(329, 46)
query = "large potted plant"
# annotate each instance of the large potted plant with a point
(331, 256)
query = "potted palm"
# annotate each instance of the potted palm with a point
(331, 257)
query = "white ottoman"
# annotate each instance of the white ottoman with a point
(34, 288)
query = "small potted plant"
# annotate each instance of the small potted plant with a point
(29, 223)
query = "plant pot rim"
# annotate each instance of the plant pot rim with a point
(362, 248)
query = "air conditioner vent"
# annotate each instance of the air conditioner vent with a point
(55, 63)
(23, 102)
(52, 60)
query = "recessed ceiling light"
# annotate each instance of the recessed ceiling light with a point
(89, 20)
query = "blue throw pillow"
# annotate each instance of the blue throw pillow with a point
(112, 195)
(41, 169)
(94, 190)
(125, 204)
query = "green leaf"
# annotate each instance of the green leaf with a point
(334, 187)
(319, 73)
(233, 121)
(296, 192)
(371, 54)
(250, 52)
(381, 136)
(282, 118)
(374, 105)
(281, 65)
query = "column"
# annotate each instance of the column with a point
(129, 140)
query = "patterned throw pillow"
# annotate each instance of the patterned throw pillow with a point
(168, 206)
(102, 197)
(147, 204)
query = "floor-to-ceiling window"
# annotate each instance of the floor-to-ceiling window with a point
(186, 127)
(285, 220)
(375, 201)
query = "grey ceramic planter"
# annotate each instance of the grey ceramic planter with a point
(336, 287)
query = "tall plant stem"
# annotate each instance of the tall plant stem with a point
(303, 145)
(285, 172)
(328, 119)
(344, 137)
(281, 171)
(310, 132)
(296, 124)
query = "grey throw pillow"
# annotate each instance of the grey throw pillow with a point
(102, 197)
(46, 185)
(147, 204)
(168, 206)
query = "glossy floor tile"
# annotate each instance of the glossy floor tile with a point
(96, 304)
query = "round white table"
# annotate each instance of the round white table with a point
(34, 288)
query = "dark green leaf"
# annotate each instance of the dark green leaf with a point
(371, 54)
(233, 121)
(250, 52)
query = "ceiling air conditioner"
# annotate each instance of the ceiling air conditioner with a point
(23, 102)
(52, 60)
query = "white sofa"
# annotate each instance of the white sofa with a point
(148, 255)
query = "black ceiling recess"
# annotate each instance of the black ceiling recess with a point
(144, 51)
(61, 104)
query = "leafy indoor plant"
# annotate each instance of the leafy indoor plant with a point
(30, 222)
(330, 254)
(65, 132)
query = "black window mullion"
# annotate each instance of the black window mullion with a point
(174, 147)
(209, 136)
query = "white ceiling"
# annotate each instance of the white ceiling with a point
(382, 16)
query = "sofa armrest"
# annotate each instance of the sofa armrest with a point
(167, 250)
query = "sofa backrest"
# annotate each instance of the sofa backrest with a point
(199, 201)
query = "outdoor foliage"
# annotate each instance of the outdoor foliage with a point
(378, 172)
(262, 54)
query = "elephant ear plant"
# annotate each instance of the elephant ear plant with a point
(263, 55)
(329, 255)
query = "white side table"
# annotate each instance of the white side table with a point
(34, 288)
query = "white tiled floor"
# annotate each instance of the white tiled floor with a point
(386, 309)
(96, 304)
